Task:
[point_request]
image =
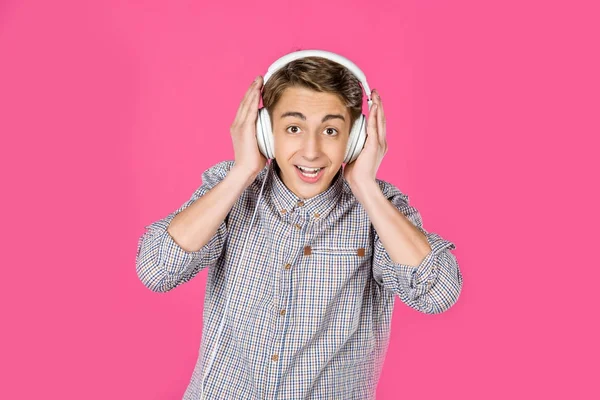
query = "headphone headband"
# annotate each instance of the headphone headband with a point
(281, 62)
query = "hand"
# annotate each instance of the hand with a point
(248, 157)
(364, 169)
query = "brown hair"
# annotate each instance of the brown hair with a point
(319, 74)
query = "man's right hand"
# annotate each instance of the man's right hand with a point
(248, 158)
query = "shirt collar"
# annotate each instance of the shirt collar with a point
(316, 208)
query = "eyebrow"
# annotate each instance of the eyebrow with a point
(303, 117)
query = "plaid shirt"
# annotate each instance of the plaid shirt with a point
(309, 316)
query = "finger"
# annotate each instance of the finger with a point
(251, 108)
(244, 105)
(380, 121)
(372, 124)
(242, 108)
(253, 101)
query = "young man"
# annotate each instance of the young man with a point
(308, 305)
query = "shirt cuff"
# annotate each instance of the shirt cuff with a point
(415, 280)
(171, 256)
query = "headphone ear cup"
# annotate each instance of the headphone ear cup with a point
(264, 134)
(357, 139)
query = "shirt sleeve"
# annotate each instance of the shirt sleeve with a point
(161, 264)
(431, 287)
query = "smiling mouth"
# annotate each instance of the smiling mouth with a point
(309, 172)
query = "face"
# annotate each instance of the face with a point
(311, 130)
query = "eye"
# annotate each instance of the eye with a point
(293, 126)
(331, 129)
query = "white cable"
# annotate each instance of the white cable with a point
(216, 346)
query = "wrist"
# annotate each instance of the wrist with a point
(363, 189)
(242, 175)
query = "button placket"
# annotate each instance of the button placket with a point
(300, 218)
(295, 236)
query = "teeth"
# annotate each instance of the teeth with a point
(309, 170)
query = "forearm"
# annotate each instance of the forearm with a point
(192, 228)
(404, 242)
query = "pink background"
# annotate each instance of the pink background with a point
(110, 111)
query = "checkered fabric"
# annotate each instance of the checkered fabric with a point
(309, 315)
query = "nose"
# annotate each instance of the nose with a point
(312, 147)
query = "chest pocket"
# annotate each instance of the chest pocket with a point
(329, 269)
(340, 263)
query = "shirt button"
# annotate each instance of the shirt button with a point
(282, 312)
(300, 203)
(288, 266)
(284, 211)
(298, 226)
(317, 215)
(275, 357)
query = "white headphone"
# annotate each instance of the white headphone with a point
(264, 136)
(264, 133)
